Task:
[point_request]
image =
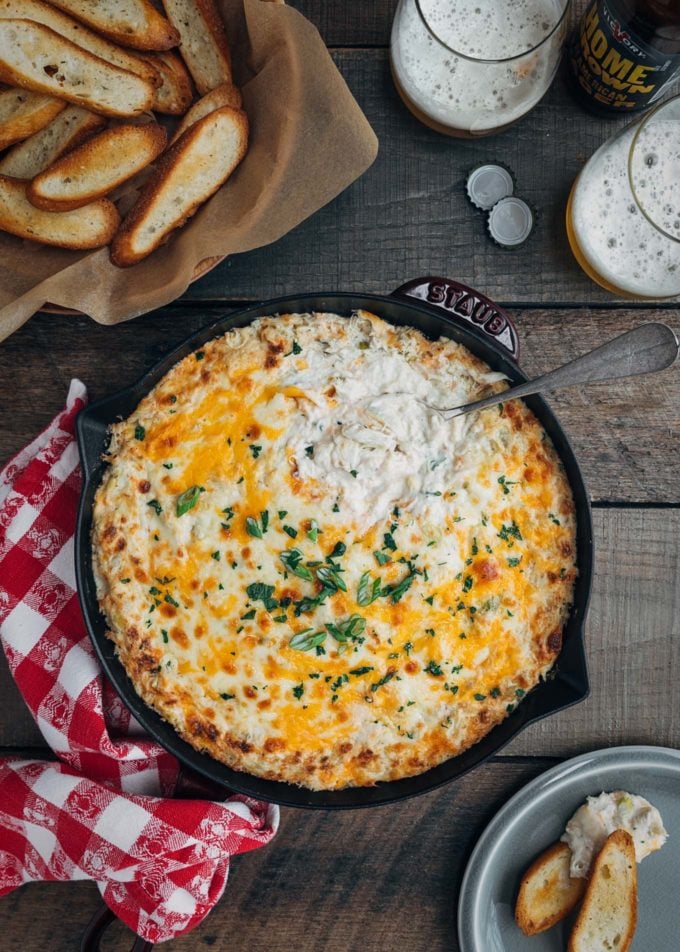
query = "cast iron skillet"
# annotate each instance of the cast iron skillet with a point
(437, 307)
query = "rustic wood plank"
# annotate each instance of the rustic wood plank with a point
(632, 642)
(409, 216)
(626, 434)
(386, 879)
(350, 24)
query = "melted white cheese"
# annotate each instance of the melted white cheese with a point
(377, 441)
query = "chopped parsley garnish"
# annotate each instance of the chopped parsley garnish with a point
(140, 432)
(154, 591)
(338, 549)
(553, 518)
(479, 697)
(382, 681)
(396, 591)
(156, 506)
(506, 484)
(519, 692)
(292, 559)
(125, 581)
(255, 449)
(296, 349)
(514, 561)
(509, 533)
(495, 692)
(429, 599)
(309, 451)
(289, 530)
(467, 584)
(199, 355)
(282, 513)
(389, 543)
(164, 635)
(228, 512)
(249, 615)
(313, 531)
(216, 555)
(368, 590)
(188, 499)
(258, 591)
(227, 697)
(168, 465)
(354, 472)
(299, 690)
(253, 527)
(475, 547)
(433, 668)
(170, 600)
(307, 639)
(357, 671)
(382, 558)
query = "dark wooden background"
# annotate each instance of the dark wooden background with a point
(387, 879)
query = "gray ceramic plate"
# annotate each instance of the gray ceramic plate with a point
(535, 817)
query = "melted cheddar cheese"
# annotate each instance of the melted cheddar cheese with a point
(313, 575)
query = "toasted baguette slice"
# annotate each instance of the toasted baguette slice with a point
(35, 57)
(22, 113)
(203, 45)
(89, 227)
(69, 129)
(608, 916)
(96, 167)
(175, 92)
(78, 33)
(547, 893)
(133, 23)
(225, 95)
(188, 174)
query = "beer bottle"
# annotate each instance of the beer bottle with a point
(624, 52)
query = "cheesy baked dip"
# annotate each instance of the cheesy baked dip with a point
(314, 577)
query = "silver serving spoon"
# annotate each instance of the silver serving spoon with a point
(645, 350)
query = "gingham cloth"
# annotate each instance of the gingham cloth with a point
(160, 864)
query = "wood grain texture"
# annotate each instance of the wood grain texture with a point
(408, 215)
(626, 433)
(632, 643)
(378, 880)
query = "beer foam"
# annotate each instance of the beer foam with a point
(618, 242)
(461, 93)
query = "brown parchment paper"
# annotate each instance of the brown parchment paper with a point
(308, 141)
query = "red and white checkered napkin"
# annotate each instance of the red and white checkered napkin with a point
(161, 864)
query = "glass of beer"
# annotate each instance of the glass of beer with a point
(623, 214)
(470, 68)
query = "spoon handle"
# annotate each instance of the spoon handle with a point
(647, 349)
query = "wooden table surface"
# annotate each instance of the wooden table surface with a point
(388, 878)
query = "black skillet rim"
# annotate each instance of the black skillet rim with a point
(568, 686)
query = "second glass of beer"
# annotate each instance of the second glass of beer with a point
(470, 68)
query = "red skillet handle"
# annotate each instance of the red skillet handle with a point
(189, 786)
(466, 304)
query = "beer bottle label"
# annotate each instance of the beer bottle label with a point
(613, 68)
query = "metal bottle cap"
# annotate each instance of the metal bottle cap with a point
(487, 184)
(510, 222)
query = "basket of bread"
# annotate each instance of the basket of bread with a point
(119, 121)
